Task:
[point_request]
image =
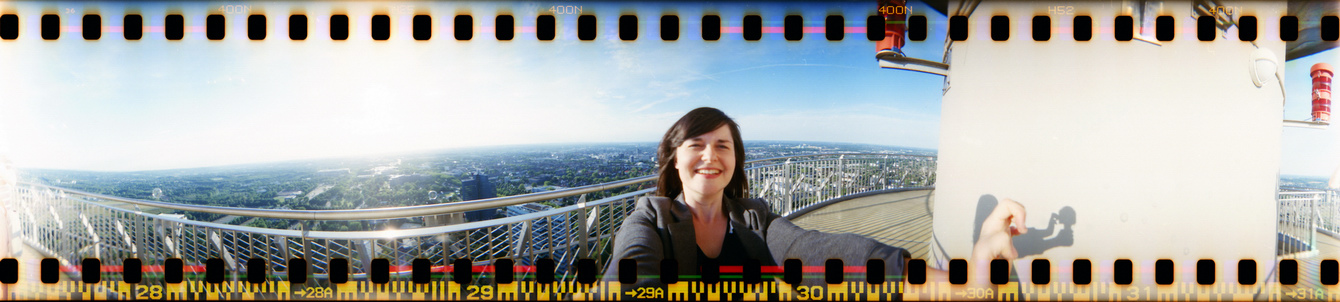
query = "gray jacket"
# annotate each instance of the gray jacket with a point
(662, 228)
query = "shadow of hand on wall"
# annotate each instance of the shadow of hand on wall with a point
(1035, 241)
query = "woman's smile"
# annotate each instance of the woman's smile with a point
(706, 163)
(709, 173)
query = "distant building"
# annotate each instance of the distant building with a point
(289, 194)
(479, 187)
(333, 172)
(444, 219)
(523, 209)
(538, 189)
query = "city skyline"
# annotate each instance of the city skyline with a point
(413, 179)
(751, 149)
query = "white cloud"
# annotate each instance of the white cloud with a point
(306, 102)
(202, 104)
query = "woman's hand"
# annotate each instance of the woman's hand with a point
(995, 239)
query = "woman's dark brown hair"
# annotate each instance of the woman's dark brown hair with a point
(695, 123)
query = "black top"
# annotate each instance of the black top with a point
(732, 250)
(662, 228)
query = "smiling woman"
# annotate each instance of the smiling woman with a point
(705, 165)
(702, 215)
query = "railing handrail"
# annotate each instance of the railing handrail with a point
(391, 234)
(814, 160)
(367, 214)
(1297, 189)
(410, 211)
(830, 154)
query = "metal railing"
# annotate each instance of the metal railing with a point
(1302, 213)
(1327, 210)
(792, 183)
(71, 225)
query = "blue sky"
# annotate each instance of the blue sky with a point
(1311, 152)
(157, 104)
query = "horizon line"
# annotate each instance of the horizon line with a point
(423, 152)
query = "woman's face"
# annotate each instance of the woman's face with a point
(706, 162)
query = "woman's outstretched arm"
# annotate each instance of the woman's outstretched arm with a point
(638, 240)
(1004, 222)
